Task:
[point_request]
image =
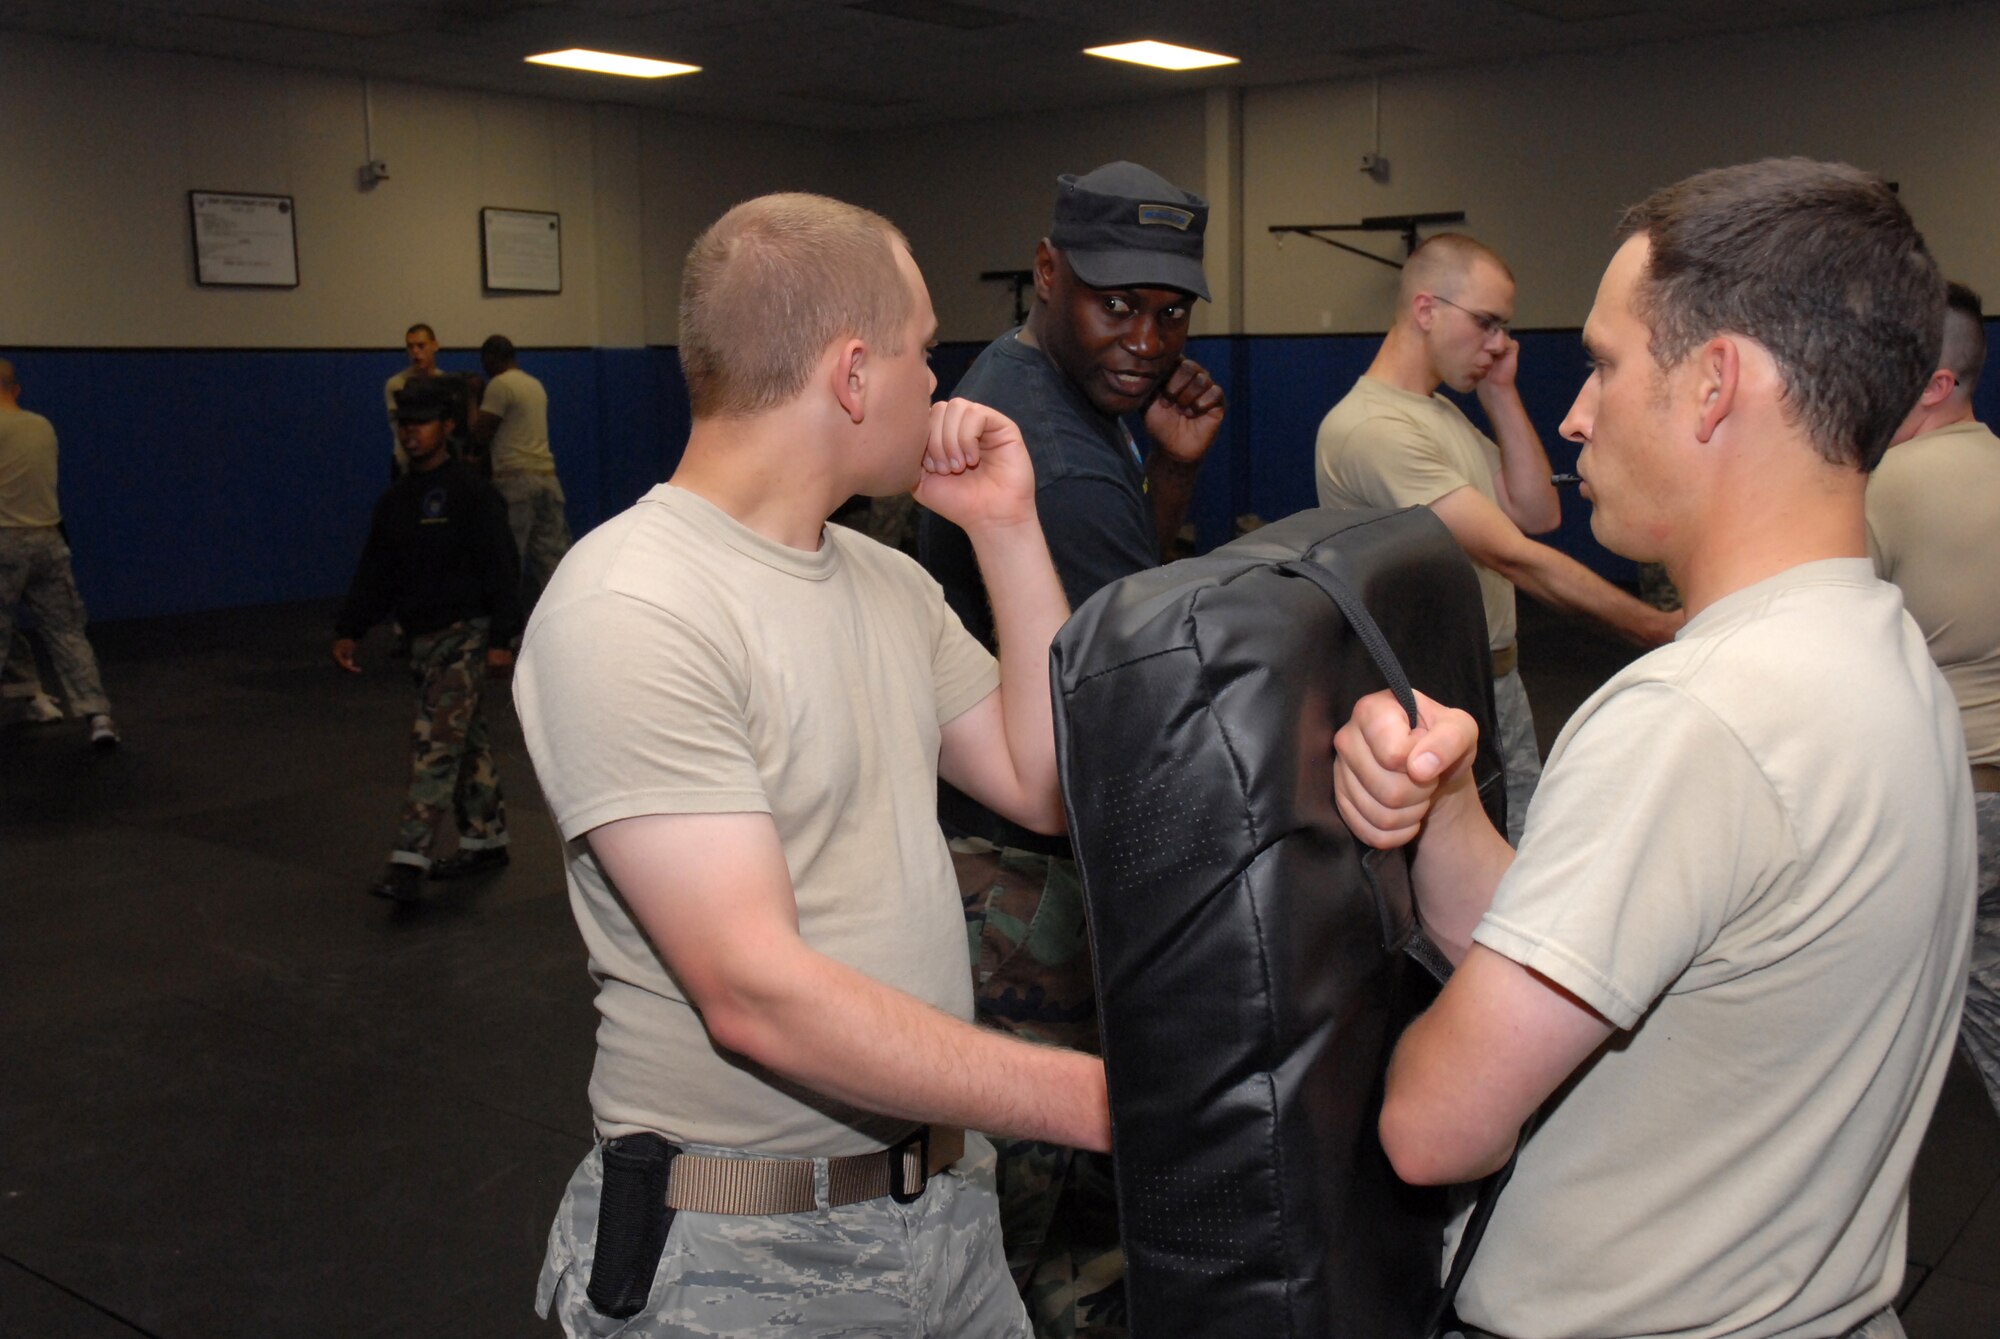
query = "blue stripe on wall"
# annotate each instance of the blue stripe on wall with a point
(206, 479)
(196, 479)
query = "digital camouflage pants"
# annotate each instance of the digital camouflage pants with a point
(35, 574)
(1032, 977)
(537, 516)
(451, 764)
(1979, 1034)
(1520, 759)
(861, 1271)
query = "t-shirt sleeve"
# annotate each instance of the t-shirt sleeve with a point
(1392, 462)
(1651, 830)
(963, 671)
(630, 710)
(498, 398)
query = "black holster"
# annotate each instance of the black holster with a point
(632, 1223)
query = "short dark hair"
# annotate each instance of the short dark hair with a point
(421, 326)
(497, 349)
(1817, 262)
(1964, 351)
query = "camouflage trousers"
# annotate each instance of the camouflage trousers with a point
(1979, 1033)
(930, 1269)
(451, 763)
(35, 574)
(536, 515)
(1032, 977)
(1520, 759)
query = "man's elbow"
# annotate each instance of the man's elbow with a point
(1426, 1151)
(1044, 815)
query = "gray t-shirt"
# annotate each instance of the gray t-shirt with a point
(680, 663)
(1753, 853)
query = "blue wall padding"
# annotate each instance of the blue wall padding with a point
(206, 479)
(199, 479)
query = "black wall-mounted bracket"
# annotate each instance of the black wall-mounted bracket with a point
(1405, 224)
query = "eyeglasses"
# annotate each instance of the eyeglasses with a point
(1489, 324)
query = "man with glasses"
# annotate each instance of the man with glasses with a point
(1394, 442)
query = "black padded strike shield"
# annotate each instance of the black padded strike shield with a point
(1255, 963)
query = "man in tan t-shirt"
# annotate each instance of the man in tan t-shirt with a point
(35, 561)
(1933, 504)
(739, 716)
(1724, 967)
(421, 343)
(1395, 442)
(512, 429)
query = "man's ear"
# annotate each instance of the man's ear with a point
(1939, 388)
(849, 371)
(1045, 270)
(1718, 373)
(1423, 310)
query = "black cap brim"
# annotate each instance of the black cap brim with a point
(1130, 268)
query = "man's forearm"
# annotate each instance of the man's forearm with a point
(1456, 865)
(1532, 502)
(1556, 578)
(844, 1034)
(1170, 490)
(1028, 609)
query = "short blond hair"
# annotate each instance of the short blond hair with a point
(1443, 261)
(771, 284)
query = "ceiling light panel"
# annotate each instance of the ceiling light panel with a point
(607, 62)
(1161, 55)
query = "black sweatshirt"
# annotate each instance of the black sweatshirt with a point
(438, 551)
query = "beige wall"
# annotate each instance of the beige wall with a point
(1541, 155)
(103, 145)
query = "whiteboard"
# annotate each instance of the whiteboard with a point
(244, 240)
(523, 250)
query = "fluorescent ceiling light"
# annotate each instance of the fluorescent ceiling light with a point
(605, 62)
(1161, 55)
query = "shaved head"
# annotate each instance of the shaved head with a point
(1964, 352)
(1442, 263)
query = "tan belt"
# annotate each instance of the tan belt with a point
(1505, 659)
(1985, 778)
(704, 1183)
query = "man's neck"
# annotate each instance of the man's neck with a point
(1403, 363)
(1949, 413)
(755, 471)
(1758, 528)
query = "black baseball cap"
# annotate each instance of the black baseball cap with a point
(423, 400)
(1125, 226)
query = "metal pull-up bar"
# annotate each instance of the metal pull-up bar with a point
(1406, 224)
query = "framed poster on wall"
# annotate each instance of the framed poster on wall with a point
(522, 250)
(243, 240)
